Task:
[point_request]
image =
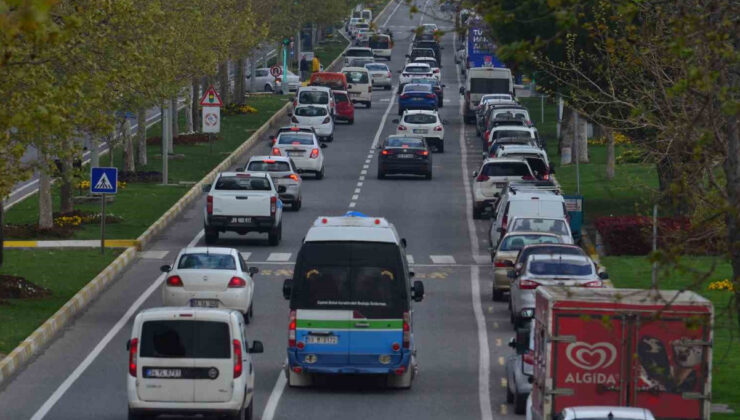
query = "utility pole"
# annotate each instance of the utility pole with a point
(284, 82)
(166, 127)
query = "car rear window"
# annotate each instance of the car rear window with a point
(488, 85)
(310, 111)
(356, 76)
(417, 88)
(268, 166)
(420, 119)
(517, 242)
(376, 67)
(555, 226)
(204, 261)
(506, 169)
(510, 133)
(380, 43)
(416, 69)
(404, 142)
(296, 139)
(185, 339)
(359, 53)
(242, 183)
(313, 97)
(560, 268)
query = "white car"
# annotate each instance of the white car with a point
(305, 150)
(425, 124)
(380, 75)
(317, 117)
(605, 413)
(415, 71)
(315, 95)
(209, 278)
(284, 173)
(190, 360)
(357, 52)
(491, 178)
(264, 81)
(510, 131)
(429, 28)
(436, 72)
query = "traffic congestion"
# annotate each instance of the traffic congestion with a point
(398, 246)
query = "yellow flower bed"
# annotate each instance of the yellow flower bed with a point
(619, 139)
(85, 185)
(68, 221)
(722, 285)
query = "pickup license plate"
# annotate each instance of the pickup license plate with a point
(420, 131)
(241, 220)
(204, 303)
(163, 373)
(322, 339)
(405, 156)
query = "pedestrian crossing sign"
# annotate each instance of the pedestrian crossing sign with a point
(104, 180)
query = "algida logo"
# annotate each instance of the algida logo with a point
(590, 357)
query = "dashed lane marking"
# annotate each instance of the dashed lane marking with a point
(442, 259)
(504, 382)
(501, 360)
(279, 257)
(246, 255)
(410, 258)
(154, 255)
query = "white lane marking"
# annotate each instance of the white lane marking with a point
(246, 255)
(442, 259)
(279, 256)
(277, 392)
(484, 362)
(359, 184)
(154, 255)
(368, 160)
(365, 166)
(358, 190)
(362, 178)
(352, 204)
(355, 197)
(64, 387)
(410, 258)
(363, 172)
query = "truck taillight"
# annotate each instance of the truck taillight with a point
(595, 283)
(527, 285)
(275, 151)
(238, 367)
(528, 357)
(482, 178)
(291, 330)
(133, 351)
(209, 204)
(406, 330)
(314, 153)
(237, 283)
(273, 205)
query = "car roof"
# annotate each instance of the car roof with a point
(314, 88)
(173, 313)
(504, 160)
(207, 250)
(420, 111)
(251, 174)
(359, 49)
(558, 257)
(535, 195)
(415, 64)
(269, 157)
(354, 69)
(520, 148)
(603, 411)
(524, 232)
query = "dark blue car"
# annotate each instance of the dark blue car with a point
(417, 96)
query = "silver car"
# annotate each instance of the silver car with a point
(284, 174)
(519, 369)
(380, 75)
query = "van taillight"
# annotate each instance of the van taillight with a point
(528, 357)
(291, 330)
(132, 356)
(209, 204)
(238, 367)
(273, 205)
(406, 330)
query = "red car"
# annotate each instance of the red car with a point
(345, 110)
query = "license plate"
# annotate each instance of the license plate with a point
(500, 184)
(405, 156)
(322, 339)
(204, 303)
(418, 99)
(354, 94)
(241, 220)
(420, 131)
(295, 153)
(163, 373)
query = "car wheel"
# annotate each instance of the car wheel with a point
(441, 148)
(296, 380)
(509, 395)
(249, 414)
(381, 174)
(296, 205)
(428, 175)
(211, 236)
(136, 416)
(330, 138)
(498, 295)
(320, 174)
(268, 88)
(520, 403)
(273, 236)
(387, 88)
(368, 104)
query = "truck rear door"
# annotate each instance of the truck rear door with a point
(242, 195)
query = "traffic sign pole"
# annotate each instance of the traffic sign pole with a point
(285, 69)
(103, 181)
(102, 224)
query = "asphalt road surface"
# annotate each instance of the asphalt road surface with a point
(461, 334)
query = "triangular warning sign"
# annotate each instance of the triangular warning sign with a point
(211, 98)
(103, 183)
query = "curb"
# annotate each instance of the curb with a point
(38, 340)
(95, 243)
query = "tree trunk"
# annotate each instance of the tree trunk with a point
(141, 136)
(582, 139)
(2, 232)
(240, 89)
(189, 110)
(111, 146)
(128, 148)
(732, 172)
(610, 158)
(175, 117)
(66, 205)
(46, 217)
(223, 81)
(566, 138)
(194, 106)
(94, 155)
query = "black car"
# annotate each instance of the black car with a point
(401, 154)
(423, 52)
(433, 45)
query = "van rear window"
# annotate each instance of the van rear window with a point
(185, 339)
(489, 85)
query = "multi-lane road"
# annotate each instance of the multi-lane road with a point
(461, 334)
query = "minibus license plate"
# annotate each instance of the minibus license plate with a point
(323, 339)
(163, 373)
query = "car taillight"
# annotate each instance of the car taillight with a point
(314, 153)
(438, 128)
(174, 281)
(133, 351)
(406, 330)
(385, 153)
(595, 283)
(273, 205)
(237, 282)
(238, 367)
(275, 151)
(389, 75)
(370, 89)
(423, 153)
(502, 263)
(295, 103)
(528, 357)
(436, 70)
(527, 177)
(402, 127)
(291, 330)
(405, 75)
(294, 177)
(527, 285)
(294, 119)
(482, 178)
(504, 221)
(488, 132)
(546, 177)
(429, 95)
(404, 96)
(209, 204)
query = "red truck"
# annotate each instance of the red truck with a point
(622, 347)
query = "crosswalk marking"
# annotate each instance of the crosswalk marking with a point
(442, 259)
(410, 258)
(246, 255)
(154, 255)
(279, 256)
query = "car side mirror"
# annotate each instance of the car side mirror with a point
(395, 121)
(165, 268)
(512, 343)
(499, 230)
(253, 270)
(287, 288)
(522, 340)
(412, 274)
(403, 242)
(257, 347)
(417, 291)
(281, 189)
(604, 275)
(323, 146)
(207, 187)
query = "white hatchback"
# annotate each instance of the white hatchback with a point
(380, 75)
(436, 72)
(305, 150)
(425, 124)
(415, 71)
(317, 117)
(209, 278)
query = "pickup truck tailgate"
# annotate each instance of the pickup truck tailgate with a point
(241, 203)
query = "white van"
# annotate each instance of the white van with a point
(367, 14)
(381, 45)
(359, 86)
(357, 52)
(483, 80)
(525, 203)
(190, 361)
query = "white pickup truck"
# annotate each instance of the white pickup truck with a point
(243, 202)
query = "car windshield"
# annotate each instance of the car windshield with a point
(517, 242)
(506, 169)
(422, 52)
(185, 339)
(420, 119)
(376, 67)
(242, 182)
(555, 226)
(417, 88)
(313, 97)
(206, 261)
(341, 97)
(404, 142)
(359, 53)
(560, 267)
(268, 166)
(295, 139)
(310, 111)
(356, 76)
(416, 69)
